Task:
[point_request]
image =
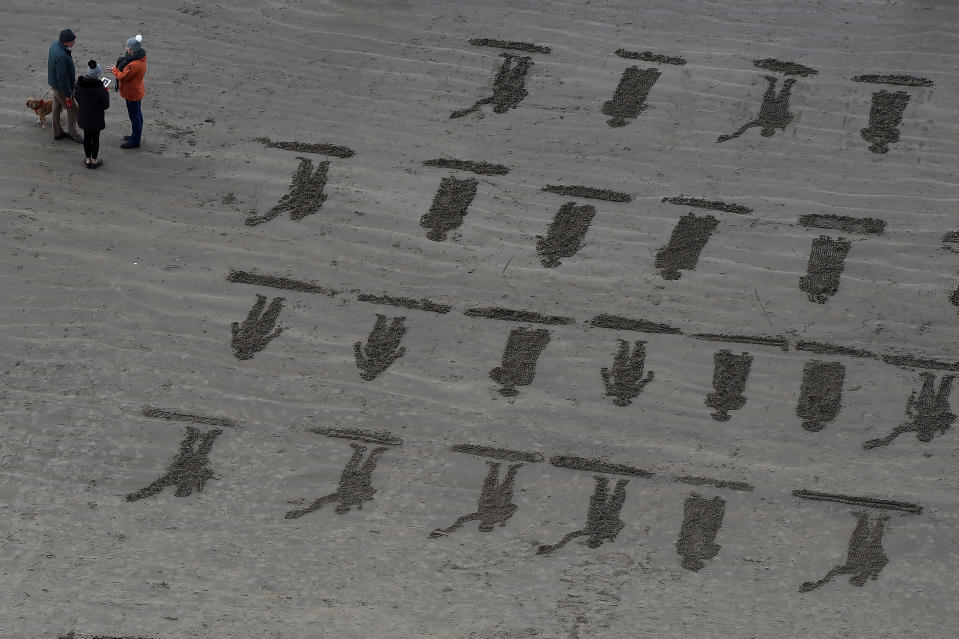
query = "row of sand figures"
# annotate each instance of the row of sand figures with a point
(702, 517)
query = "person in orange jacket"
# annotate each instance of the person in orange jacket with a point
(130, 84)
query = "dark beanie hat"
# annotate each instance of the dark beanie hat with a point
(67, 36)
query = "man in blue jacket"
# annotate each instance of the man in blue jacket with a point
(62, 76)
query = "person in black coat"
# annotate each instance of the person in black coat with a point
(92, 99)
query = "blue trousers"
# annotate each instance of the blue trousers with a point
(136, 121)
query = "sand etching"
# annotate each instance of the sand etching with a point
(480, 168)
(702, 519)
(729, 382)
(954, 298)
(605, 320)
(773, 111)
(602, 517)
(866, 502)
(686, 242)
(928, 413)
(304, 197)
(523, 348)
(497, 453)
(495, 505)
(565, 234)
(257, 330)
(868, 225)
(190, 468)
(911, 361)
(761, 340)
(865, 557)
(514, 315)
(826, 262)
(355, 487)
(629, 99)
(885, 116)
(359, 434)
(73, 635)
(588, 192)
(509, 86)
(574, 462)
(820, 394)
(307, 147)
(716, 483)
(626, 381)
(449, 207)
(382, 347)
(824, 348)
(649, 56)
(786, 68)
(159, 413)
(901, 80)
(405, 302)
(714, 205)
(528, 47)
(275, 281)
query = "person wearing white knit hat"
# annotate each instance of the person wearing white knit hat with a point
(129, 72)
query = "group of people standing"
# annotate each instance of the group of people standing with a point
(86, 97)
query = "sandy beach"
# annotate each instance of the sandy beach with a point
(495, 319)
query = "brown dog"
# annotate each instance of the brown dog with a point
(42, 108)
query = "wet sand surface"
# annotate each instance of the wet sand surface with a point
(485, 320)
